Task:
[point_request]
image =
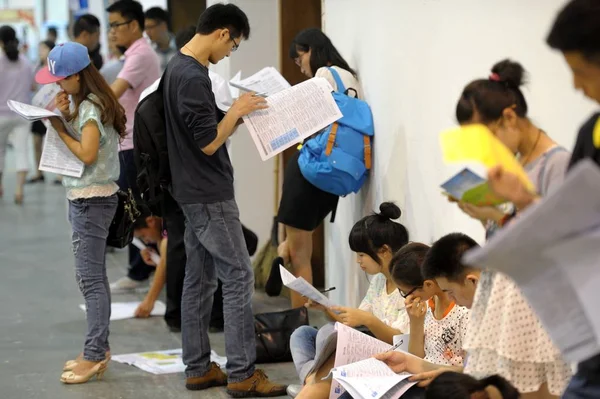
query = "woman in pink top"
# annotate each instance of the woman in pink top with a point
(16, 83)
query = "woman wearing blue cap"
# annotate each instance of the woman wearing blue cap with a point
(99, 121)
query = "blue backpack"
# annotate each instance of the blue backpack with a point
(338, 159)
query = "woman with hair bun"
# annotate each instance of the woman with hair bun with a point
(374, 239)
(505, 336)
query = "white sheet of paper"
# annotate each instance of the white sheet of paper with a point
(56, 156)
(162, 362)
(44, 98)
(293, 115)
(126, 310)
(267, 81)
(353, 346)
(301, 286)
(552, 249)
(141, 246)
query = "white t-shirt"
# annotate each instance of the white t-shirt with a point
(347, 78)
(389, 308)
(444, 338)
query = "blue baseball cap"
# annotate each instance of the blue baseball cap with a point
(63, 61)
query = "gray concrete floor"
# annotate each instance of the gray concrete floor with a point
(41, 325)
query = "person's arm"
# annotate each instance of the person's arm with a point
(508, 186)
(85, 150)
(382, 331)
(197, 109)
(244, 105)
(423, 371)
(120, 86)
(160, 276)
(132, 75)
(416, 312)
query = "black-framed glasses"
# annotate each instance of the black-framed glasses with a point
(403, 295)
(115, 25)
(235, 45)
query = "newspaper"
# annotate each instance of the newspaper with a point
(293, 115)
(56, 156)
(265, 82)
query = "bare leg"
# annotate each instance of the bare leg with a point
(21, 176)
(299, 243)
(38, 142)
(316, 387)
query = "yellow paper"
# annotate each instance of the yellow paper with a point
(477, 143)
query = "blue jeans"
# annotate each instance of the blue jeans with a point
(90, 220)
(305, 343)
(215, 248)
(586, 383)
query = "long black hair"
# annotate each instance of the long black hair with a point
(372, 232)
(9, 40)
(490, 97)
(322, 51)
(453, 385)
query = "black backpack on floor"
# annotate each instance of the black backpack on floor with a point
(150, 150)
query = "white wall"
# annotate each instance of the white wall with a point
(414, 57)
(254, 179)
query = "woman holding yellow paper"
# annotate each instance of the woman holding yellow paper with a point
(505, 336)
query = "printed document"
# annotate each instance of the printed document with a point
(468, 186)
(162, 362)
(267, 82)
(353, 346)
(372, 379)
(293, 115)
(551, 252)
(126, 310)
(301, 286)
(56, 156)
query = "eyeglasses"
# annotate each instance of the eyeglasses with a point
(235, 45)
(403, 295)
(115, 25)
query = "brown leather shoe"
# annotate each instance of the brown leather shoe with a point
(257, 386)
(213, 378)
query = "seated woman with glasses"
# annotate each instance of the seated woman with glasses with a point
(437, 324)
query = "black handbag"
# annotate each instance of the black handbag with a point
(273, 332)
(120, 232)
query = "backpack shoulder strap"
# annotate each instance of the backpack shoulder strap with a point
(338, 80)
(367, 151)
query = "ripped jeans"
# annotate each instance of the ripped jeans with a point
(90, 220)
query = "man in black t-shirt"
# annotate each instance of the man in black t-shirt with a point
(202, 184)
